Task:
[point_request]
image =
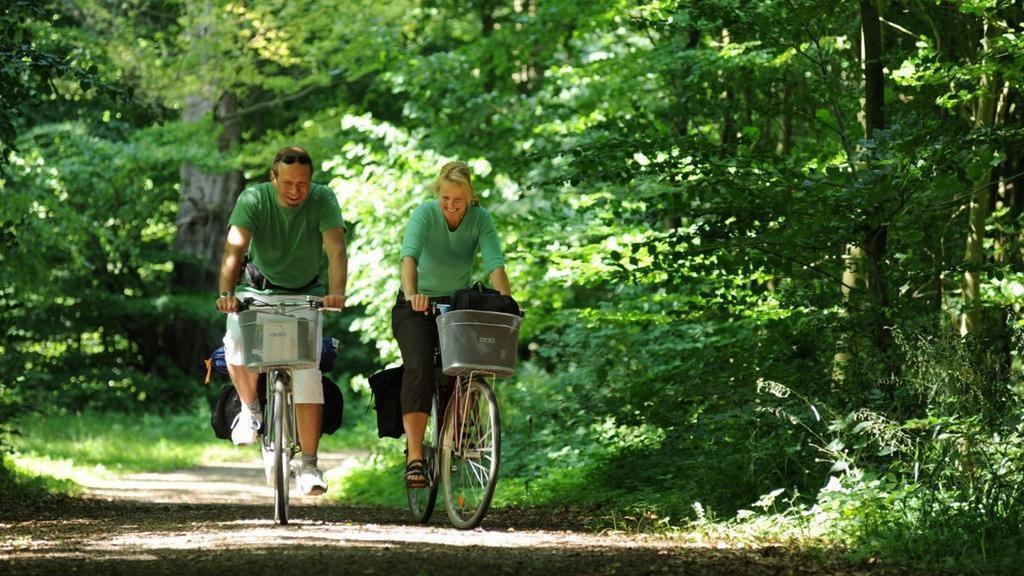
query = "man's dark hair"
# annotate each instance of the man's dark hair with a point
(290, 155)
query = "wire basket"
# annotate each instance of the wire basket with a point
(272, 338)
(474, 340)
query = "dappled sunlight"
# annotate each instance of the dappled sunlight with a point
(59, 468)
(306, 532)
(770, 254)
(218, 538)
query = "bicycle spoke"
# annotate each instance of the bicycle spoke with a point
(480, 474)
(421, 500)
(470, 455)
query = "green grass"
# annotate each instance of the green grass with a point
(17, 485)
(93, 444)
(53, 452)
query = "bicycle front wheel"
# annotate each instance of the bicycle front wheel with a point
(281, 458)
(470, 454)
(422, 500)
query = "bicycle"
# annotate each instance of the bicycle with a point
(463, 454)
(278, 341)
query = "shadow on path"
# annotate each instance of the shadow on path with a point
(218, 520)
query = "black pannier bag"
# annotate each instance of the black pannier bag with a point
(334, 407)
(476, 297)
(228, 403)
(386, 387)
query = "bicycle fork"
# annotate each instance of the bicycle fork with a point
(281, 389)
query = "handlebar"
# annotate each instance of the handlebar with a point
(433, 307)
(311, 301)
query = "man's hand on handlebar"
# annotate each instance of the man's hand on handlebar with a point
(419, 302)
(227, 303)
(334, 301)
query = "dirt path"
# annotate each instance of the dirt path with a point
(217, 520)
(234, 483)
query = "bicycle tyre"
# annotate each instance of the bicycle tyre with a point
(281, 472)
(422, 500)
(469, 461)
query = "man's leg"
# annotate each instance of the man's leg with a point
(245, 428)
(245, 382)
(308, 393)
(309, 417)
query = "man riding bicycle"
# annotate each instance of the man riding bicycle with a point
(278, 233)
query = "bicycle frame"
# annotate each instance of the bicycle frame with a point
(466, 448)
(280, 439)
(470, 451)
(283, 377)
(455, 402)
(280, 445)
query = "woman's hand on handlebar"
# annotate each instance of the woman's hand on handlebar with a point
(227, 303)
(419, 302)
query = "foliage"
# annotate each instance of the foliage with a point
(104, 443)
(678, 186)
(40, 68)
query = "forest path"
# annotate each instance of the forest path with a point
(218, 520)
(228, 483)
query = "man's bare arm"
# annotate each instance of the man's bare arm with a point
(337, 267)
(235, 248)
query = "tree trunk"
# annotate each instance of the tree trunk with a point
(876, 232)
(205, 203)
(974, 255)
(204, 207)
(785, 144)
(865, 263)
(485, 10)
(681, 122)
(874, 79)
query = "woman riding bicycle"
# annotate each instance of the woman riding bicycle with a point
(437, 257)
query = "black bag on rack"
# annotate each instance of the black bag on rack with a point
(386, 386)
(476, 297)
(229, 405)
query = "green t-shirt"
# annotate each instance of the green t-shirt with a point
(444, 259)
(287, 243)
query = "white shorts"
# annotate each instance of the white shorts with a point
(307, 387)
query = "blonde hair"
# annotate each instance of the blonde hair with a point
(457, 173)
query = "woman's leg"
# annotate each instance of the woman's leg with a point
(415, 424)
(415, 333)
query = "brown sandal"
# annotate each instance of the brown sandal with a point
(415, 474)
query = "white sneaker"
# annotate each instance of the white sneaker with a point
(310, 481)
(246, 427)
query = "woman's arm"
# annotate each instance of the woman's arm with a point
(410, 285)
(499, 280)
(494, 260)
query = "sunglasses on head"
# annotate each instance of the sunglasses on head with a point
(293, 158)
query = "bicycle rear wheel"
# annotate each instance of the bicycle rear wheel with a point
(281, 457)
(470, 454)
(422, 500)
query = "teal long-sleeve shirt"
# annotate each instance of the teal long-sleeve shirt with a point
(444, 258)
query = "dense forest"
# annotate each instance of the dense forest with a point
(770, 251)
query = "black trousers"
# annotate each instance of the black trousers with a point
(416, 334)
